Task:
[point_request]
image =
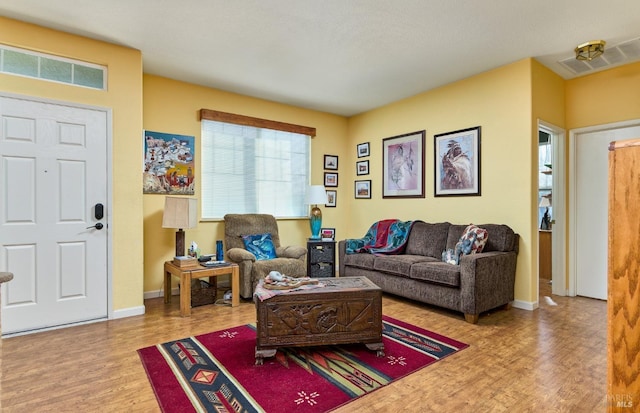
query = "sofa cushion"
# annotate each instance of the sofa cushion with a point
(398, 264)
(454, 234)
(427, 239)
(436, 272)
(501, 238)
(360, 260)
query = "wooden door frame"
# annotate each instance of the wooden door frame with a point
(558, 235)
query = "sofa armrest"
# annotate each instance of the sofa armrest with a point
(238, 255)
(342, 251)
(487, 280)
(294, 251)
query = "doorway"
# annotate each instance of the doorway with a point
(551, 200)
(53, 218)
(588, 224)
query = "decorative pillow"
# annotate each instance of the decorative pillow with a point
(260, 245)
(472, 241)
(449, 256)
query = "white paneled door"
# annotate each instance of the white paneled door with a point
(53, 179)
(591, 207)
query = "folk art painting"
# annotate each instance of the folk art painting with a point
(169, 166)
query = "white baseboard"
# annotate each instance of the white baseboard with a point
(128, 312)
(222, 286)
(525, 305)
(160, 293)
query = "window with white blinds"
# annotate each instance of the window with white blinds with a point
(247, 169)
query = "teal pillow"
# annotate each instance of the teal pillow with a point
(260, 245)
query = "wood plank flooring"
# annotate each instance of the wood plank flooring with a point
(549, 360)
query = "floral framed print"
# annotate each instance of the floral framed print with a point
(362, 189)
(331, 179)
(403, 166)
(363, 149)
(331, 198)
(457, 163)
(362, 168)
(330, 162)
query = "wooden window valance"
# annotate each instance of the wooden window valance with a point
(209, 114)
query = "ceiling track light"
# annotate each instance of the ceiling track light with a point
(590, 50)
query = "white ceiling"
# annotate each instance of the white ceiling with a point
(338, 56)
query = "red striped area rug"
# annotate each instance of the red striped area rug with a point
(216, 372)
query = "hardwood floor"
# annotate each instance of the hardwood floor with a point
(552, 359)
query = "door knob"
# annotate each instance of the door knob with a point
(96, 226)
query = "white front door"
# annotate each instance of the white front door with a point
(52, 176)
(591, 208)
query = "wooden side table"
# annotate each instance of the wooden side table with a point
(186, 274)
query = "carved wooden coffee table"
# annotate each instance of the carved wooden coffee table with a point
(346, 310)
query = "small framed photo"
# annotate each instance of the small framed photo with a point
(363, 149)
(331, 198)
(331, 162)
(328, 234)
(363, 189)
(362, 168)
(331, 179)
(457, 163)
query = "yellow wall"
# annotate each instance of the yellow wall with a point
(604, 97)
(125, 99)
(548, 104)
(500, 102)
(171, 106)
(505, 102)
(548, 98)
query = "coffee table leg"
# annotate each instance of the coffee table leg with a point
(261, 354)
(377, 347)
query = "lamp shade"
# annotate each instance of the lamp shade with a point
(180, 213)
(544, 202)
(317, 195)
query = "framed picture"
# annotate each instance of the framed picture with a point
(457, 163)
(331, 179)
(363, 149)
(169, 166)
(331, 198)
(403, 166)
(363, 189)
(362, 168)
(330, 162)
(328, 233)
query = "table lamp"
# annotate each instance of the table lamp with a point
(546, 220)
(316, 195)
(180, 213)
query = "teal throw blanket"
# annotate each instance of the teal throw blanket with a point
(388, 236)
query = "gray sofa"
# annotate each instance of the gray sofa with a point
(480, 282)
